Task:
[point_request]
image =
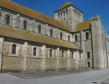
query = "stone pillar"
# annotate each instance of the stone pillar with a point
(17, 20)
(56, 16)
(13, 20)
(1, 51)
(33, 26)
(0, 17)
(82, 45)
(97, 44)
(46, 29)
(82, 40)
(77, 59)
(44, 57)
(57, 59)
(25, 51)
(68, 60)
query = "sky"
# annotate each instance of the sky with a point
(91, 8)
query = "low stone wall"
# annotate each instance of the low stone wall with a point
(63, 64)
(12, 63)
(50, 64)
(33, 64)
(82, 64)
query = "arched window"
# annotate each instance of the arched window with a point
(59, 15)
(87, 35)
(80, 56)
(76, 38)
(62, 54)
(51, 32)
(14, 49)
(88, 64)
(25, 24)
(67, 23)
(69, 38)
(50, 52)
(0, 12)
(88, 55)
(39, 28)
(34, 51)
(61, 35)
(7, 18)
(72, 54)
(66, 11)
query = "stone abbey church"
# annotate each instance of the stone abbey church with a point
(31, 41)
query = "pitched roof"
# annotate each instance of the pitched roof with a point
(84, 25)
(65, 5)
(29, 36)
(34, 14)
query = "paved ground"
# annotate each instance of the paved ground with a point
(77, 78)
(105, 81)
(47, 74)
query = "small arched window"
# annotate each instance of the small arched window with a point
(0, 12)
(34, 51)
(59, 15)
(69, 38)
(50, 52)
(76, 38)
(7, 18)
(88, 55)
(51, 32)
(80, 56)
(67, 23)
(14, 49)
(88, 64)
(72, 54)
(61, 36)
(25, 24)
(39, 28)
(62, 54)
(66, 11)
(87, 35)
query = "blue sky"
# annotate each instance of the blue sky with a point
(90, 8)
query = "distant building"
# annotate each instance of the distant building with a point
(31, 41)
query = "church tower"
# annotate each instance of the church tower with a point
(70, 15)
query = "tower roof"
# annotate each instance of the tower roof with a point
(67, 4)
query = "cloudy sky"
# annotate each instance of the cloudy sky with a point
(90, 8)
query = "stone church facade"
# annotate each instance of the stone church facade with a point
(31, 41)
